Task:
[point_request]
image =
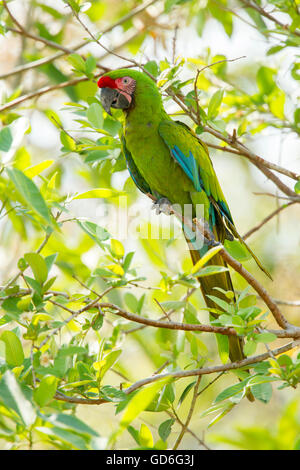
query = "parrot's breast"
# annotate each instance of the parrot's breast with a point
(155, 163)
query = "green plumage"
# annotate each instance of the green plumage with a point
(165, 158)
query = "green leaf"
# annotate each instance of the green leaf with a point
(38, 266)
(6, 139)
(134, 433)
(77, 61)
(221, 415)
(222, 15)
(94, 115)
(96, 155)
(276, 103)
(274, 49)
(173, 304)
(200, 21)
(30, 193)
(247, 301)
(34, 285)
(297, 187)
(214, 104)
(127, 260)
(152, 67)
(222, 303)
(165, 429)
(11, 306)
(98, 193)
(140, 401)
(202, 261)
(250, 348)
(261, 379)
(46, 390)
(67, 141)
(262, 392)
(14, 354)
(37, 169)
(295, 71)
(112, 394)
(223, 347)
(214, 409)
(117, 248)
(257, 18)
(50, 260)
(97, 233)
(265, 80)
(131, 301)
(265, 337)
(231, 391)
(90, 64)
(63, 435)
(13, 397)
(237, 250)
(145, 436)
(210, 270)
(185, 392)
(109, 360)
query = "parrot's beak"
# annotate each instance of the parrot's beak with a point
(112, 98)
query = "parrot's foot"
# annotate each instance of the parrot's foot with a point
(211, 243)
(162, 205)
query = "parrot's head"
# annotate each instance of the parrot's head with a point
(121, 88)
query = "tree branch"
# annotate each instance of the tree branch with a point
(190, 414)
(170, 325)
(256, 158)
(215, 369)
(71, 49)
(43, 91)
(188, 373)
(266, 219)
(264, 13)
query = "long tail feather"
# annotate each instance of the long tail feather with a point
(235, 233)
(207, 285)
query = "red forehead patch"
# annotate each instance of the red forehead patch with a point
(106, 82)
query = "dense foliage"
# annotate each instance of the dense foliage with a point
(105, 340)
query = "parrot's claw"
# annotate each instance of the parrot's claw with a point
(162, 205)
(211, 243)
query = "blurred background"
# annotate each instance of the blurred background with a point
(189, 35)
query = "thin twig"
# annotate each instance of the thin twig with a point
(72, 49)
(174, 42)
(168, 325)
(173, 415)
(170, 312)
(190, 414)
(266, 219)
(187, 373)
(220, 62)
(162, 309)
(266, 163)
(214, 369)
(42, 91)
(109, 51)
(264, 13)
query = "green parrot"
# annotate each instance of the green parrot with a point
(166, 159)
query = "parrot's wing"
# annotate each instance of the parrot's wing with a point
(193, 157)
(134, 173)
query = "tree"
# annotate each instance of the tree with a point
(114, 322)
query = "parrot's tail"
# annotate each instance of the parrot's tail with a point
(208, 285)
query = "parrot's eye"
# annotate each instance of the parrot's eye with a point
(125, 80)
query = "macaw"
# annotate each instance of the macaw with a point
(167, 160)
